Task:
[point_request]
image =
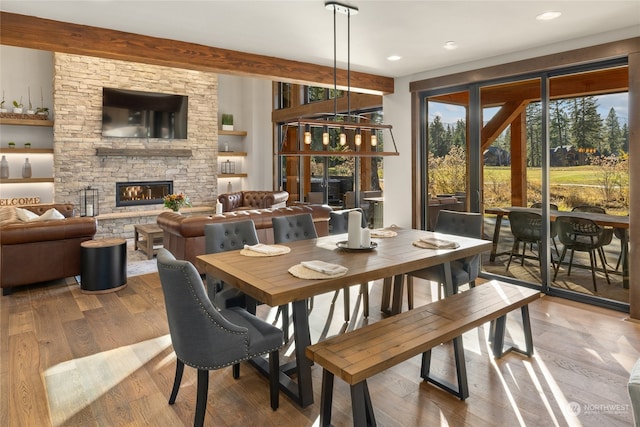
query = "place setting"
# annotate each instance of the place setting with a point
(317, 269)
(429, 242)
(262, 250)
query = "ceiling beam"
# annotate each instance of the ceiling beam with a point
(56, 36)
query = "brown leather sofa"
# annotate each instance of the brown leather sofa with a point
(184, 235)
(33, 252)
(243, 200)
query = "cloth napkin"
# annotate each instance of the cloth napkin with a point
(324, 267)
(263, 249)
(381, 232)
(435, 243)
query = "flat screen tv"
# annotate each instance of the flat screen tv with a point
(135, 114)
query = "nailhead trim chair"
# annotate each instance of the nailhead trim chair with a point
(207, 338)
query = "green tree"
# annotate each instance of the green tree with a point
(460, 134)
(625, 138)
(613, 133)
(437, 138)
(559, 123)
(534, 134)
(586, 124)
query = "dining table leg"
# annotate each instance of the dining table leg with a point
(302, 341)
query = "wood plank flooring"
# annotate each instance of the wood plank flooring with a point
(72, 359)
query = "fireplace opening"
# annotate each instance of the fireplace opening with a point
(142, 192)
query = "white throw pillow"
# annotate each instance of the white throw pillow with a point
(51, 214)
(26, 215)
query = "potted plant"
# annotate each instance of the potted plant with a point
(227, 122)
(12, 144)
(17, 106)
(30, 110)
(42, 110)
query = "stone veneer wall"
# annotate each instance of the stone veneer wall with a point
(78, 83)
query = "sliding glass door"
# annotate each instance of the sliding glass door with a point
(545, 144)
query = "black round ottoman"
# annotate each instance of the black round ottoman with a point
(104, 265)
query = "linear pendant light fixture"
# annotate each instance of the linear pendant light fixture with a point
(348, 121)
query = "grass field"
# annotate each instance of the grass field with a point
(569, 187)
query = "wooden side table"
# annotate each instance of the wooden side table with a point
(147, 238)
(104, 265)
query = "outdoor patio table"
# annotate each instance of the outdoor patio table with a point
(604, 220)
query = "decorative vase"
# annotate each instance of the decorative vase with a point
(26, 169)
(229, 187)
(17, 110)
(4, 168)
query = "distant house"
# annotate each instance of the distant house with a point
(569, 155)
(496, 156)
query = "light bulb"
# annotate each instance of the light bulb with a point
(374, 138)
(343, 137)
(358, 138)
(325, 136)
(307, 135)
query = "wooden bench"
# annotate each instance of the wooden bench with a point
(360, 354)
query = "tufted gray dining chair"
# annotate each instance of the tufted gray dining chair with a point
(223, 237)
(466, 270)
(292, 228)
(207, 338)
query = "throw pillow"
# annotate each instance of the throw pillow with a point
(7, 215)
(51, 214)
(26, 215)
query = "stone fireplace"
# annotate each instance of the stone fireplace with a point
(142, 192)
(78, 141)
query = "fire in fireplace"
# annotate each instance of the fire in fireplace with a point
(142, 192)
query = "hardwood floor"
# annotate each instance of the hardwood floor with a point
(71, 359)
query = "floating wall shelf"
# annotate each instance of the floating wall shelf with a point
(144, 152)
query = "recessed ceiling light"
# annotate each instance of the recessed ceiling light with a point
(548, 16)
(394, 58)
(450, 45)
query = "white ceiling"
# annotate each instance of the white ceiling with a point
(303, 30)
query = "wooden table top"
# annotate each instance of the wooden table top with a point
(607, 220)
(267, 278)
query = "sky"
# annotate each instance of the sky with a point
(450, 114)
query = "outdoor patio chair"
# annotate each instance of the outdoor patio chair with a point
(526, 227)
(583, 235)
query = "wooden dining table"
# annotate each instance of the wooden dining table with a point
(604, 220)
(267, 280)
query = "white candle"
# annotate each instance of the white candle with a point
(366, 238)
(218, 208)
(89, 210)
(353, 229)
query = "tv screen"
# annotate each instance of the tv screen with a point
(134, 114)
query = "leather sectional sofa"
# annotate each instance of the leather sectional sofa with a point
(33, 252)
(184, 235)
(243, 200)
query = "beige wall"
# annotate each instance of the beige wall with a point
(78, 83)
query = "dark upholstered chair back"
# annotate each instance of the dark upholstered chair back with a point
(229, 236)
(526, 226)
(339, 220)
(293, 227)
(206, 338)
(223, 237)
(201, 337)
(466, 224)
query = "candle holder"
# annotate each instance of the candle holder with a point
(89, 201)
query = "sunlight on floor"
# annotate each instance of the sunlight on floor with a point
(69, 389)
